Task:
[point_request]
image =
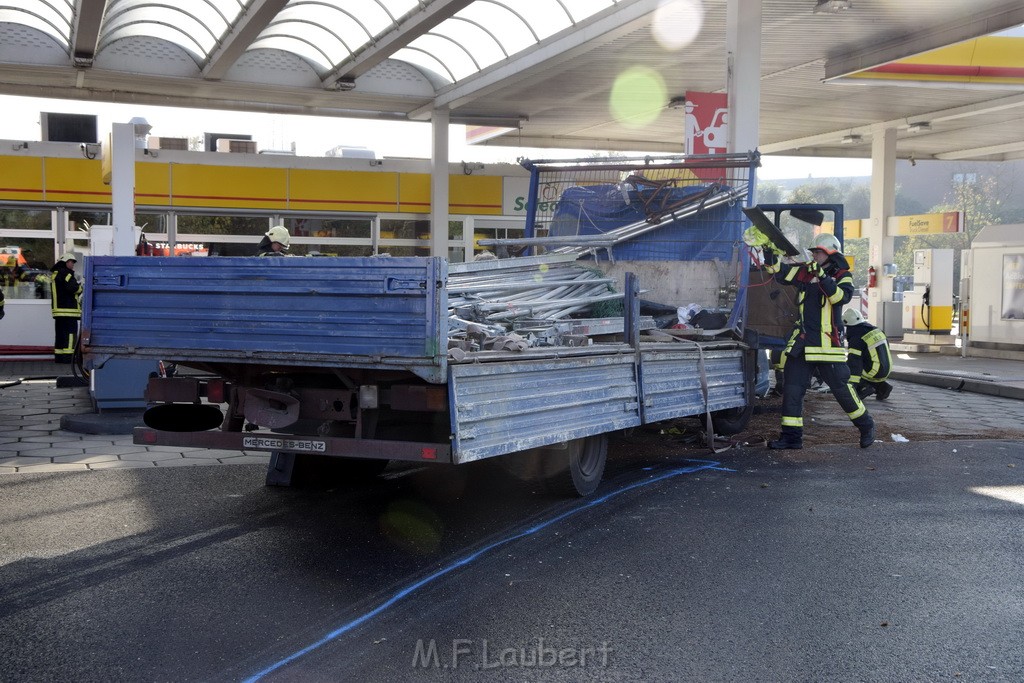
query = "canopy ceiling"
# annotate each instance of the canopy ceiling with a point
(548, 69)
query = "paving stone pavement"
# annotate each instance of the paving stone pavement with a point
(921, 411)
(31, 407)
(31, 438)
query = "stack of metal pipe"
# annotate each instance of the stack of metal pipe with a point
(485, 298)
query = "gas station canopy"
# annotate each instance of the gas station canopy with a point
(948, 75)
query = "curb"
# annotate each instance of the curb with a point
(959, 384)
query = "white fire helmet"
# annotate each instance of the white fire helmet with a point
(826, 242)
(852, 317)
(279, 234)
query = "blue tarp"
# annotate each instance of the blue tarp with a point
(598, 209)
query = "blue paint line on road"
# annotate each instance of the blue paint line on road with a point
(700, 465)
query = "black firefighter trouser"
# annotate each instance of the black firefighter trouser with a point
(65, 334)
(797, 375)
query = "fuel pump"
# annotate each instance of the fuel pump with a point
(928, 308)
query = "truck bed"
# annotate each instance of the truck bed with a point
(334, 327)
(374, 313)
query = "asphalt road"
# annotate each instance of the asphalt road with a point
(900, 563)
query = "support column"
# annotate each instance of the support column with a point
(122, 187)
(59, 222)
(172, 232)
(119, 383)
(743, 56)
(439, 184)
(883, 205)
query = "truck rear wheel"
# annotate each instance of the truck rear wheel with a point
(576, 470)
(733, 420)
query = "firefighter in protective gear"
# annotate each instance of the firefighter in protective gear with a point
(869, 357)
(275, 242)
(66, 307)
(824, 285)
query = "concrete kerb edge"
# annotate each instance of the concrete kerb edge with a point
(960, 384)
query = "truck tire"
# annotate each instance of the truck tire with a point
(733, 420)
(577, 469)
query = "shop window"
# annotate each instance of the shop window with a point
(206, 235)
(484, 231)
(25, 261)
(329, 236)
(332, 250)
(25, 219)
(347, 228)
(399, 229)
(401, 251)
(194, 224)
(24, 273)
(229, 248)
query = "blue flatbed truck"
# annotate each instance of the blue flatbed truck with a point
(347, 359)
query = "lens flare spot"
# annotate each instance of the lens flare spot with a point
(638, 97)
(413, 526)
(677, 23)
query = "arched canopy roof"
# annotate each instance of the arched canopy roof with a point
(549, 69)
(450, 40)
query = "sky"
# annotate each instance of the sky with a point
(314, 135)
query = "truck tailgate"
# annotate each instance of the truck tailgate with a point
(386, 313)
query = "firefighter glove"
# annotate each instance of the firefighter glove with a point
(755, 238)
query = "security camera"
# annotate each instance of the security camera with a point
(90, 150)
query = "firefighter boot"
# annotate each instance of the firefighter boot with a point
(791, 437)
(864, 389)
(882, 391)
(867, 430)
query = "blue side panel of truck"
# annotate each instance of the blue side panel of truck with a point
(521, 403)
(672, 382)
(327, 312)
(508, 406)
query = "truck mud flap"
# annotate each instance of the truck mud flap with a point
(413, 451)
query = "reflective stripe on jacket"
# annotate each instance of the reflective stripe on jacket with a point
(870, 356)
(820, 302)
(65, 293)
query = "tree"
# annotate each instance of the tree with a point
(980, 198)
(854, 196)
(770, 193)
(987, 197)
